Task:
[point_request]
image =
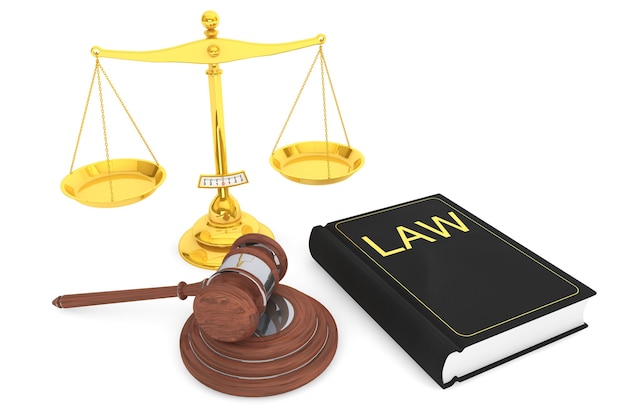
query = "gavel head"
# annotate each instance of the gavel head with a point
(229, 305)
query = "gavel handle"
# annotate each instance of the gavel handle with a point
(182, 291)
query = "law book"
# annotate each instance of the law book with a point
(459, 296)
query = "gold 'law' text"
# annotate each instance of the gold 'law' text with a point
(408, 235)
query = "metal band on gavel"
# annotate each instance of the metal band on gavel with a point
(236, 295)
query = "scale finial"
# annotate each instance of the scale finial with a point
(210, 20)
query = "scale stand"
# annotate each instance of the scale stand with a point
(209, 239)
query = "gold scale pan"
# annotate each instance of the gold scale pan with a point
(207, 241)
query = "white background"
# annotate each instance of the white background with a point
(516, 110)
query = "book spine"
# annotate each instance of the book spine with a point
(407, 326)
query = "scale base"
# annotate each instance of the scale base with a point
(205, 245)
(265, 365)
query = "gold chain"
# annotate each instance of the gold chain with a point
(82, 122)
(128, 114)
(323, 61)
(324, 109)
(104, 128)
(296, 101)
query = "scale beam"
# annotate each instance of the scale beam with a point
(209, 51)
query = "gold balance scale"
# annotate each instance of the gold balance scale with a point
(119, 182)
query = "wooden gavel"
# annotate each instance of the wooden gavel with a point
(227, 305)
(237, 340)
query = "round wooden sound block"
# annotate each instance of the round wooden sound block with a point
(295, 342)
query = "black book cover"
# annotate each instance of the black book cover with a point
(439, 280)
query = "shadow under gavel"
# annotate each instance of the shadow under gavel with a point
(248, 335)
